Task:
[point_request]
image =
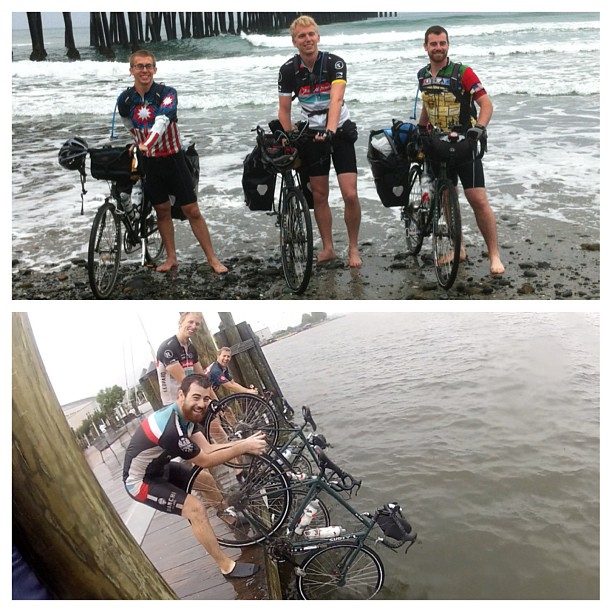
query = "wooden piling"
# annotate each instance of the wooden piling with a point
(63, 523)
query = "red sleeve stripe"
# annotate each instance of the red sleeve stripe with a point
(146, 427)
(142, 492)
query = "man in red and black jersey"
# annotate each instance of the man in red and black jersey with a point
(149, 112)
(449, 95)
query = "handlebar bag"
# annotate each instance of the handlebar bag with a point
(394, 525)
(111, 163)
(439, 149)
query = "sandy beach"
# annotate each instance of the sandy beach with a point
(544, 259)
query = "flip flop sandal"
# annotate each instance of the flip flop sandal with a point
(243, 570)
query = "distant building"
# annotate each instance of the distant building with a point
(77, 412)
(264, 335)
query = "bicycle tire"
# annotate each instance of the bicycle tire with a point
(446, 234)
(411, 212)
(319, 578)
(296, 240)
(104, 251)
(263, 494)
(238, 416)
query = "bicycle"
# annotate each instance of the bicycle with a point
(121, 208)
(336, 566)
(280, 155)
(438, 215)
(240, 415)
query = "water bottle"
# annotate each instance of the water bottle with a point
(323, 532)
(309, 513)
(126, 203)
(288, 456)
(136, 199)
(426, 189)
(296, 476)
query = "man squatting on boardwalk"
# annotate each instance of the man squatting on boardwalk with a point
(151, 477)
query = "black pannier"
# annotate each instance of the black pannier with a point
(389, 168)
(258, 183)
(111, 163)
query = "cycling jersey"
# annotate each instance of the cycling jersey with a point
(313, 89)
(172, 351)
(147, 475)
(152, 120)
(448, 103)
(218, 374)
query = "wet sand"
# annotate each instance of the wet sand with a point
(545, 260)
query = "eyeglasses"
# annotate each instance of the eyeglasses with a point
(143, 66)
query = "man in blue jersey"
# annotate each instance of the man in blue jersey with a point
(152, 478)
(318, 80)
(220, 376)
(149, 112)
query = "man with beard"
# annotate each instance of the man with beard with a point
(449, 91)
(150, 477)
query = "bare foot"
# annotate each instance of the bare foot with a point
(496, 266)
(217, 267)
(354, 259)
(326, 256)
(167, 265)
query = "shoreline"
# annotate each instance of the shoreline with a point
(544, 261)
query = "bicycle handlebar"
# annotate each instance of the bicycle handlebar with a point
(347, 482)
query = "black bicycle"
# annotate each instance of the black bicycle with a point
(279, 153)
(435, 211)
(127, 206)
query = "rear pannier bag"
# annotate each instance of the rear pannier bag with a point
(390, 169)
(257, 183)
(111, 163)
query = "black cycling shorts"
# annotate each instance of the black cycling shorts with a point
(168, 492)
(471, 174)
(317, 157)
(169, 175)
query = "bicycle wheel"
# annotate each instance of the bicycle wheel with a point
(296, 239)
(104, 252)
(154, 247)
(238, 416)
(257, 500)
(446, 234)
(341, 571)
(411, 212)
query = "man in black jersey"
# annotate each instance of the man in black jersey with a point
(318, 80)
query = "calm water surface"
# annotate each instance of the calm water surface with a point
(484, 426)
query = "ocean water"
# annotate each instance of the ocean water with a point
(483, 426)
(543, 159)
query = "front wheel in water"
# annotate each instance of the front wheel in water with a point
(341, 571)
(412, 214)
(104, 254)
(446, 234)
(296, 240)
